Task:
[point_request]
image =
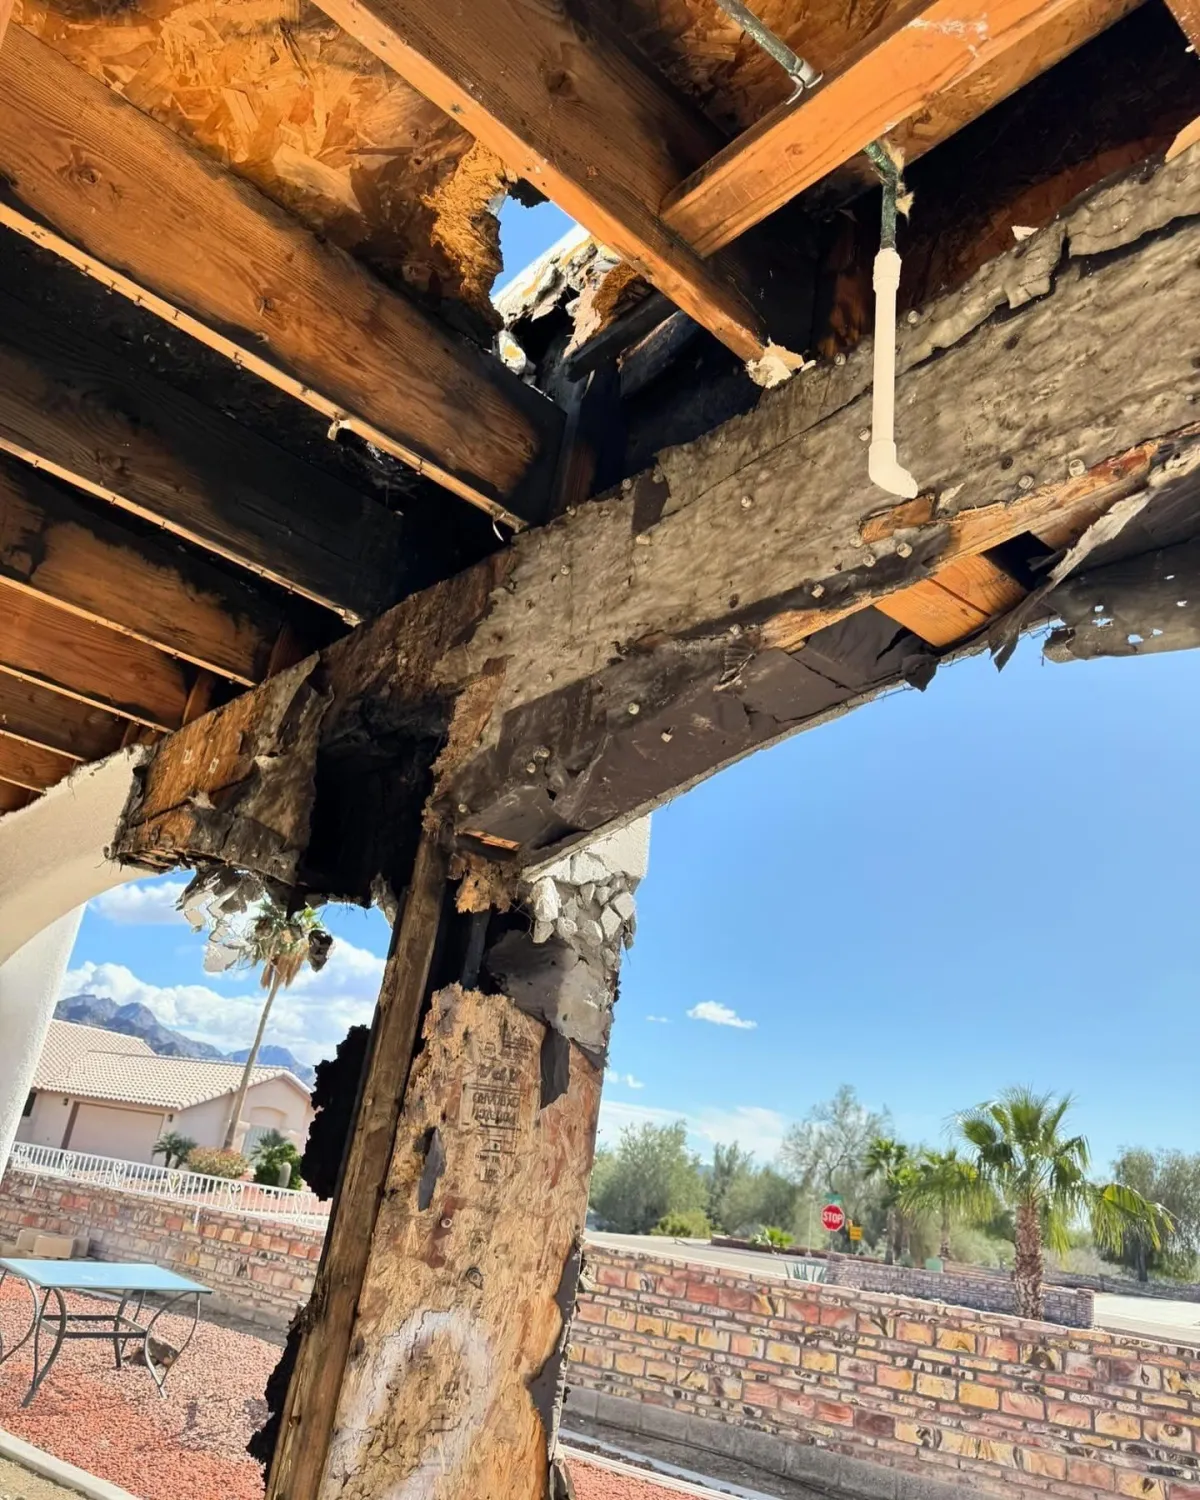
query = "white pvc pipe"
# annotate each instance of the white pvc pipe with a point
(882, 465)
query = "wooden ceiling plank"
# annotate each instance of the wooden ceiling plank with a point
(83, 560)
(88, 662)
(576, 115)
(42, 717)
(898, 71)
(13, 798)
(980, 583)
(932, 612)
(134, 206)
(77, 411)
(31, 766)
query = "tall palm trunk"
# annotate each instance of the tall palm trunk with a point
(944, 1247)
(889, 1254)
(1027, 1272)
(235, 1114)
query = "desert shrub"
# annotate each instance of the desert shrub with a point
(213, 1162)
(686, 1224)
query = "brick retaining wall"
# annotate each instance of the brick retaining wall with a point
(985, 1292)
(259, 1269)
(999, 1403)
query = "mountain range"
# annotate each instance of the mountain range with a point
(140, 1021)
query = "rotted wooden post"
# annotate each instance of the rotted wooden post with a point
(448, 1372)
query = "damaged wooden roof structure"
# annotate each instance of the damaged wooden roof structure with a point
(405, 605)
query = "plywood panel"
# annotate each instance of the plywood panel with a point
(282, 96)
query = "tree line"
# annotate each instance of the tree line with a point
(1014, 1184)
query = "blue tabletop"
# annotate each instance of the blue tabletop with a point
(99, 1276)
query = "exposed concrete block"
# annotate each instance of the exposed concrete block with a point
(581, 1402)
(544, 900)
(623, 904)
(664, 1422)
(615, 1412)
(610, 922)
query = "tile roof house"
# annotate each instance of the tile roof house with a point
(107, 1094)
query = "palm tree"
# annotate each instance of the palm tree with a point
(890, 1161)
(946, 1184)
(1039, 1173)
(174, 1147)
(282, 942)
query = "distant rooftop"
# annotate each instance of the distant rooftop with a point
(91, 1063)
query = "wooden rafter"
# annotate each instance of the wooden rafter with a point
(31, 766)
(920, 53)
(44, 718)
(576, 115)
(1187, 13)
(13, 797)
(129, 203)
(88, 662)
(75, 410)
(82, 560)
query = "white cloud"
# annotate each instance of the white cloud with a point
(660, 1020)
(142, 903)
(720, 1015)
(311, 1017)
(612, 1076)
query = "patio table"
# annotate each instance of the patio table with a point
(124, 1287)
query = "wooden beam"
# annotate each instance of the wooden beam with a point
(730, 596)
(1187, 13)
(14, 797)
(90, 663)
(575, 114)
(81, 559)
(44, 718)
(129, 203)
(97, 422)
(31, 766)
(898, 71)
(329, 1318)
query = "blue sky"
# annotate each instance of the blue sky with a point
(939, 895)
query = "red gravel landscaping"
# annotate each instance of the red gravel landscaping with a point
(114, 1424)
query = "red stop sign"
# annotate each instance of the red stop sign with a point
(833, 1217)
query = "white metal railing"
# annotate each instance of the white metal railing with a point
(174, 1184)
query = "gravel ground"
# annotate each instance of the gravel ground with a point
(114, 1424)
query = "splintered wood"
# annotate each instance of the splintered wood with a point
(280, 94)
(454, 1359)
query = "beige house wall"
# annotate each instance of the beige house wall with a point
(129, 1133)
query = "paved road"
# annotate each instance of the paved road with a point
(1150, 1317)
(699, 1251)
(1147, 1317)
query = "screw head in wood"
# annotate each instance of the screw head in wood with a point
(1026, 482)
(635, 708)
(747, 502)
(1076, 467)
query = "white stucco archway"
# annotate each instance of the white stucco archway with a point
(53, 860)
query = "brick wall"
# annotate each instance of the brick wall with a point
(970, 1288)
(988, 1400)
(258, 1269)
